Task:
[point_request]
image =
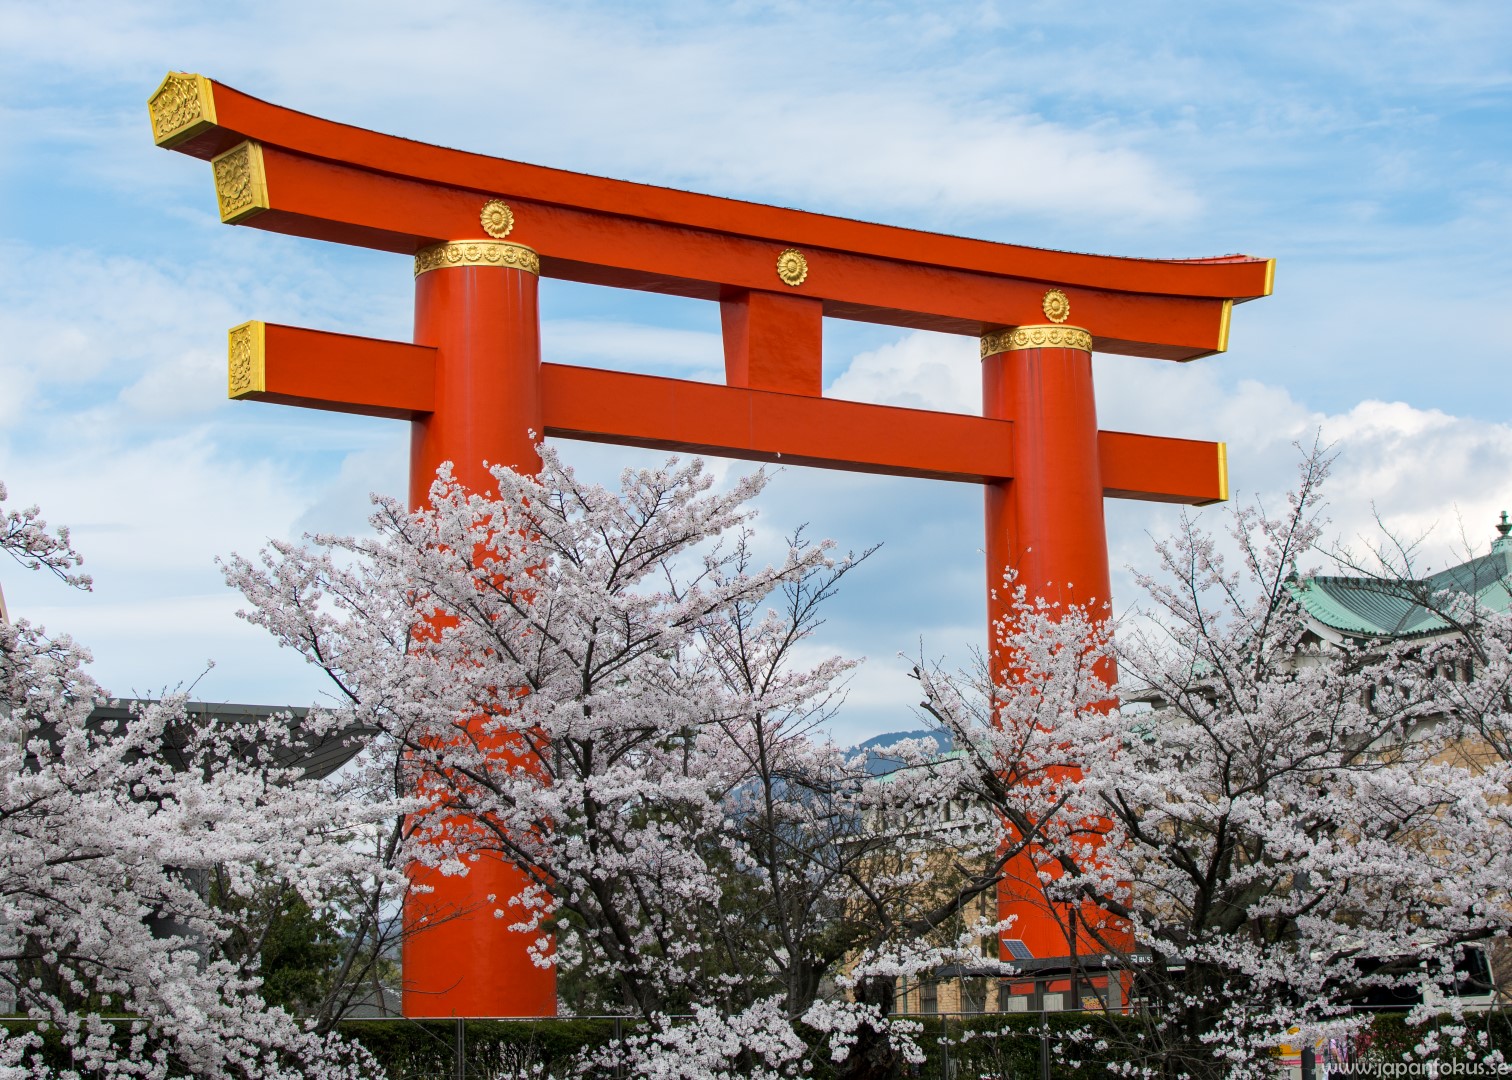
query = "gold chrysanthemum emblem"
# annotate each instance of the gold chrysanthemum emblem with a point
(497, 218)
(792, 267)
(1057, 307)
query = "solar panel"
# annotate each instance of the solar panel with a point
(1017, 949)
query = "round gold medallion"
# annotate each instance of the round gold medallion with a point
(497, 218)
(792, 267)
(1057, 307)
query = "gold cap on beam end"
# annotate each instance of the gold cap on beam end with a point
(181, 107)
(241, 182)
(455, 253)
(1048, 336)
(246, 360)
(1223, 325)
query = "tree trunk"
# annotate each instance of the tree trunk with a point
(873, 1057)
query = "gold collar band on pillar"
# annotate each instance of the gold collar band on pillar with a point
(1047, 336)
(477, 253)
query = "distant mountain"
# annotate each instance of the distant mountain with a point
(878, 761)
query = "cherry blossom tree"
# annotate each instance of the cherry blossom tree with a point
(609, 687)
(1282, 825)
(531, 659)
(109, 942)
(1463, 628)
(606, 688)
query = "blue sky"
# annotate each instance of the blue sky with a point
(1366, 146)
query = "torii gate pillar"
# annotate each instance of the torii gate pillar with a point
(483, 323)
(1046, 523)
(479, 315)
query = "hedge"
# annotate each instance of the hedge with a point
(1001, 1046)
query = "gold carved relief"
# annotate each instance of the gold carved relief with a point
(497, 218)
(246, 371)
(477, 253)
(792, 267)
(181, 107)
(241, 183)
(1035, 337)
(1056, 305)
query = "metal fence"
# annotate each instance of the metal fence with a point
(957, 1046)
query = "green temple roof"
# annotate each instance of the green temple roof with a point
(1376, 608)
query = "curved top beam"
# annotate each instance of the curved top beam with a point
(312, 177)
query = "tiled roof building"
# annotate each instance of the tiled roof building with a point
(1367, 608)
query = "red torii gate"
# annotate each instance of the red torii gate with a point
(474, 388)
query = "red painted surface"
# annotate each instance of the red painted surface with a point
(1048, 520)
(338, 183)
(1152, 468)
(343, 373)
(773, 341)
(325, 200)
(483, 325)
(477, 390)
(699, 418)
(1047, 523)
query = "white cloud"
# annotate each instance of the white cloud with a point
(178, 386)
(144, 646)
(150, 517)
(84, 327)
(161, 509)
(343, 505)
(918, 371)
(765, 108)
(1426, 472)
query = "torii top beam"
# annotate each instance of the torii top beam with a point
(334, 182)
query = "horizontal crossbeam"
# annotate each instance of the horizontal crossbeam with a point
(315, 178)
(1153, 468)
(288, 365)
(343, 373)
(758, 425)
